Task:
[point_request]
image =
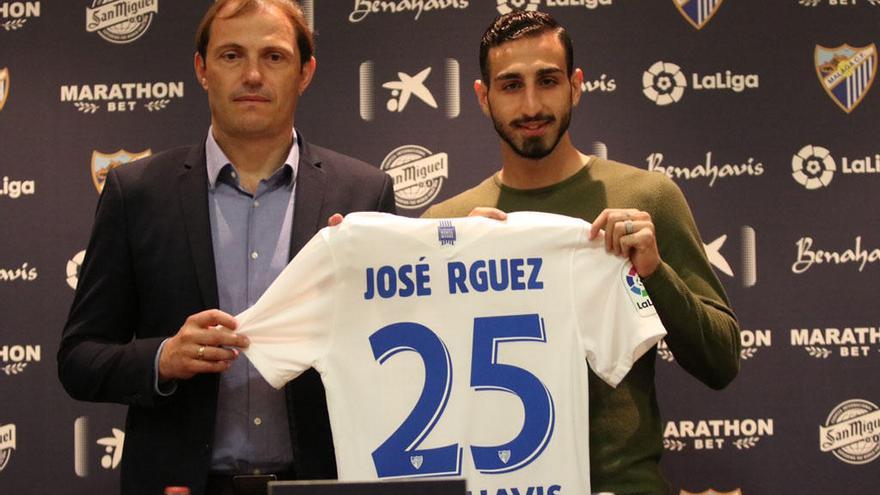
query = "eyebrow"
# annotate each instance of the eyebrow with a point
(505, 76)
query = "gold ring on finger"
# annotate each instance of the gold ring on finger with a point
(201, 353)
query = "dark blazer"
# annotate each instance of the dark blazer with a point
(148, 266)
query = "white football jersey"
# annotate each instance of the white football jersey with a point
(456, 347)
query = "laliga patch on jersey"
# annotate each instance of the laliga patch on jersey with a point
(636, 291)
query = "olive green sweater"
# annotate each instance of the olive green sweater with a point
(625, 427)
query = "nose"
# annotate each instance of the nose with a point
(531, 103)
(252, 75)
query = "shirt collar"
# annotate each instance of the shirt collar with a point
(217, 159)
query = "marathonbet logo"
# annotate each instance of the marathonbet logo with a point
(15, 358)
(14, 15)
(716, 434)
(814, 167)
(845, 342)
(122, 97)
(412, 90)
(120, 21)
(508, 6)
(838, 3)
(664, 83)
(751, 342)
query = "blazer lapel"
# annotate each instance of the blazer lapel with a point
(311, 184)
(193, 196)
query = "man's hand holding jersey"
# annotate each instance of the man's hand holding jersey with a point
(206, 343)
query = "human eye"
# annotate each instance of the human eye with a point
(511, 85)
(229, 55)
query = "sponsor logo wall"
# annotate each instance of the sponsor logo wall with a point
(762, 113)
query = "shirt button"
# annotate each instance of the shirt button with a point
(254, 255)
(233, 174)
(258, 421)
(256, 204)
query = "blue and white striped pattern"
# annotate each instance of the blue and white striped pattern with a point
(857, 84)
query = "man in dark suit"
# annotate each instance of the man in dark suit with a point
(187, 238)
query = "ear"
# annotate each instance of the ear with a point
(481, 90)
(308, 72)
(199, 66)
(577, 83)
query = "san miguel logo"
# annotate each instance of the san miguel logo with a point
(852, 432)
(7, 444)
(418, 174)
(4, 86)
(103, 163)
(698, 12)
(846, 73)
(121, 21)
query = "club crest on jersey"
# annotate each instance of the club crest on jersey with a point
(416, 461)
(446, 233)
(846, 73)
(636, 291)
(504, 455)
(103, 163)
(4, 86)
(698, 12)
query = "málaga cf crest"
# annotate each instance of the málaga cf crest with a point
(4, 86)
(846, 73)
(698, 12)
(103, 163)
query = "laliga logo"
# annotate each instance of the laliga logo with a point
(508, 6)
(813, 166)
(664, 82)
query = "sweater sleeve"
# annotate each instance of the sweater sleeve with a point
(703, 333)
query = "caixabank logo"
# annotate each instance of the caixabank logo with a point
(665, 83)
(109, 448)
(752, 342)
(508, 6)
(404, 89)
(716, 434)
(7, 444)
(120, 21)
(720, 257)
(708, 170)
(103, 163)
(418, 174)
(4, 86)
(14, 359)
(698, 13)
(14, 15)
(848, 342)
(852, 432)
(122, 97)
(846, 73)
(364, 8)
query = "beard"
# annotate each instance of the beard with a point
(532, 148)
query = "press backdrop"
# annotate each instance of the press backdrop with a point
(761, 111)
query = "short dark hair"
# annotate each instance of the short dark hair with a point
(305, 41)
(522, 24)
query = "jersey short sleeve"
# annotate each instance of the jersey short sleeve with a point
(291, 325)
(617, 320)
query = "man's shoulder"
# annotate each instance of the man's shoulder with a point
(157, 165)
(483, 194)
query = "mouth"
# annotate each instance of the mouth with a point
(533, 127)
(251, 99)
